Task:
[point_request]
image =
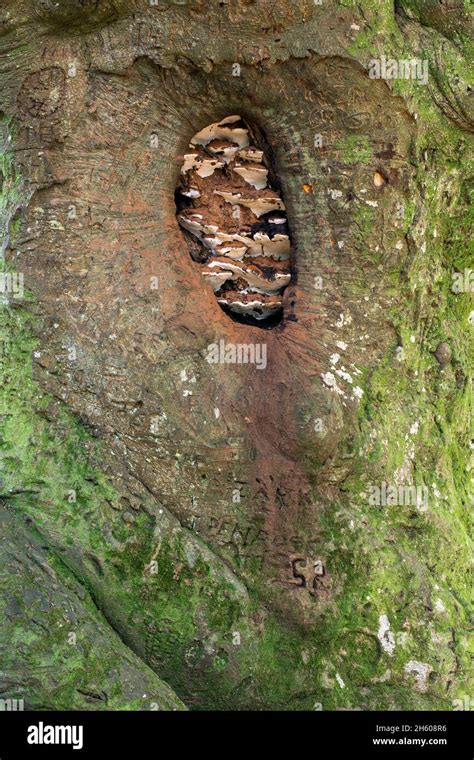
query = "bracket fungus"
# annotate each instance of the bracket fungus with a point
(234, 220)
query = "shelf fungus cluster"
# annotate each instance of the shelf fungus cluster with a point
(235, 221)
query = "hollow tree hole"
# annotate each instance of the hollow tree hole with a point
(230, 209)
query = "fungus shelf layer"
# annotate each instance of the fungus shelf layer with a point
(235, 220)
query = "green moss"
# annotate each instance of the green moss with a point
(355, 149)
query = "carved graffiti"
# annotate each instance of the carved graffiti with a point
(306, 573)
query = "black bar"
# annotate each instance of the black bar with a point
(160, 734)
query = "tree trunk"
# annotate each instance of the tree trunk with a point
(291, 534)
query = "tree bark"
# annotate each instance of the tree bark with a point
(289, 537)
